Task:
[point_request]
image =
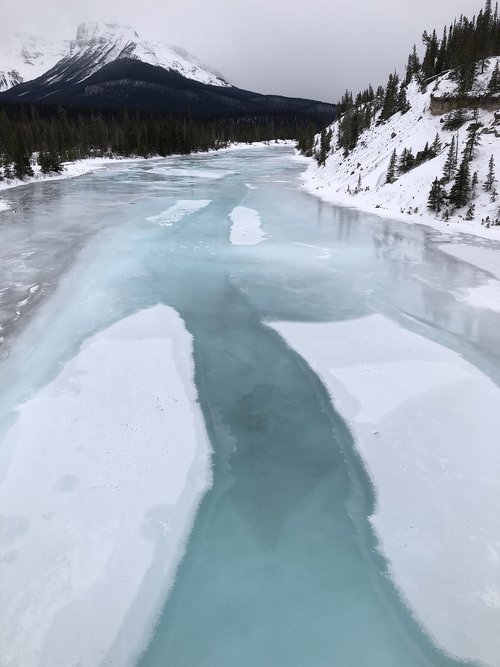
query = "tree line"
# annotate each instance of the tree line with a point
(53, 135)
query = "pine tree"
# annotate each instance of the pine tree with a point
(407, 160)
(473, 138)
(413, 66)
(436, 196)
(451, 162)
(22, 165)
(490, 178)
(324, 145)
(391, 170)
(390, 105)
(474, 182)
(436, 145)
(461, 190)
(403, 105)
(494, 84)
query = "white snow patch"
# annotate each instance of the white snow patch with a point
(3, 205)
(487, 259)
(485, 297)
(426, 427)
(101, 475)
(246, 228)
(179, 210)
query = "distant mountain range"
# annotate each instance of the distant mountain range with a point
(111, 66)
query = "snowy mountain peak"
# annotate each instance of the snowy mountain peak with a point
(24, 57)
(99, 33)
(27, 57)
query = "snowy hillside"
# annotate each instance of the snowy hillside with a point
(360, 178)
(26, 57)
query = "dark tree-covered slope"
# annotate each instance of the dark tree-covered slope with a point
(132, 84)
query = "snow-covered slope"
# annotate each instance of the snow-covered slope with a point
(338, 181)
(26, 57)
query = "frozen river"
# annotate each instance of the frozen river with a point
(242, 428)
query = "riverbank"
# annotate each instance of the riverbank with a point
(323, 185)
(70, 170)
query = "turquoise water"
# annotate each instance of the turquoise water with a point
(282, 567)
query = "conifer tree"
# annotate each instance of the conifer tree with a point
(473, 138)
(390, 105)
(413, 66)
(436, 196)
(436, 145)
(403, 104)
(451, 161)
(490, 178)
(391, 170)
(461, 190)
(474, 182)
(324, 145)
(494, 84)
(22, 165)
(407, 160)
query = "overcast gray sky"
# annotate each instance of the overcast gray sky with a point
(302, 48)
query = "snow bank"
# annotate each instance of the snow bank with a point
(426, 426)
(101, 474)
(246, 228)
(3, 205)
(487, 296)
(487, 259)
(406, 199)
(179, 210)
(71, 170)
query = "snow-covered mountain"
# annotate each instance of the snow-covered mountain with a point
(26, 57)
(109, 66)
(360, 178)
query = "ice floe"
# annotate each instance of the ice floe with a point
(427, 427)
(101, 474)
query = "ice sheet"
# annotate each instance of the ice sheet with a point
(101, 474)
(246, 228)
(179, 210)
(487, 259)
(427, 429)
(487, 296)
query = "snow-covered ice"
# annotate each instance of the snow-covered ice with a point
(179, 210)
(101, 474)
(246, 228)
(427, 428)
(486, 296)
(487, 259)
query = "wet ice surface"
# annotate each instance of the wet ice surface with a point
(282, 565)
